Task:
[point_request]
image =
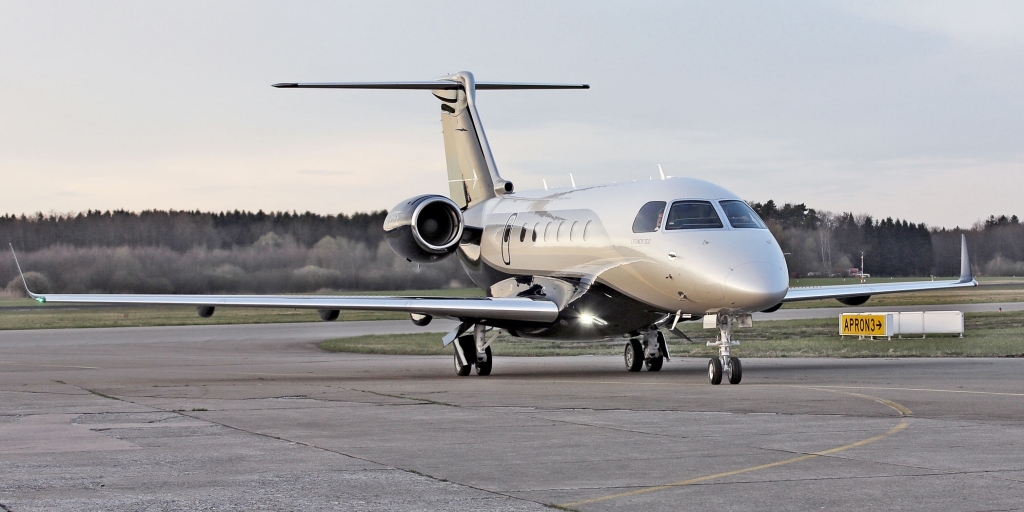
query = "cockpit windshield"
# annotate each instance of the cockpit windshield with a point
(693, 215)
(648, 219)
(740, 215)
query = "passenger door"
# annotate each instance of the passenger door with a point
(506, 237)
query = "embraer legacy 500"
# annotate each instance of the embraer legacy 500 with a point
(626, 260)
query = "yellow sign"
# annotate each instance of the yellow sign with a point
(863, 325)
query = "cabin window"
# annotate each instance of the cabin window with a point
(535, 231)
(740, 215)
(649, 217)
(558, 232)
(522, 234)
(586, 231)
(693, 215)
(547, 228)
(572, 230)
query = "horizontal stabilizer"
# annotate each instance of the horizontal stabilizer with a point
(432, 85)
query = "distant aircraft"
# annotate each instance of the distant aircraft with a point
(627, 260)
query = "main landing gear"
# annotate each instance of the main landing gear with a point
(473, 349)
(650, 351)
(725, 364)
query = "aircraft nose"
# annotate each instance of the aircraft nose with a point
(756, 285)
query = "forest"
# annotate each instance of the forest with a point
(288, 252)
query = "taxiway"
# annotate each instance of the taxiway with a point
(256, 417)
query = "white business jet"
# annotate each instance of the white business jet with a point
(627, 260)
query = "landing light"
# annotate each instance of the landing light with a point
(588, 319)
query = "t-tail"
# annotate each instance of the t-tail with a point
(473, 176)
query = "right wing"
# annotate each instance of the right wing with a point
(512, 309)
(482, 308)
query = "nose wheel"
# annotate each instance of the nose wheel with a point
(725, 364)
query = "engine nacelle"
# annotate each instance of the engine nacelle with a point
(425, 228)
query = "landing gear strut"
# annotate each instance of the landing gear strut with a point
(725, 364)
(474, 349)
(650, 351)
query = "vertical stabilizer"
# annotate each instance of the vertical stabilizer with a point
(472, 175)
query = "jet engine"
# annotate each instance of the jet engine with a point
(425, 228)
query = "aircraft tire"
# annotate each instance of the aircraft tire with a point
(469, 349)
(654, 363)
(715, 371)
(634, 355)
(460, 369)
(737, 370)
(483, 368)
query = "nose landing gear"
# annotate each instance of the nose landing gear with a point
(726, 364)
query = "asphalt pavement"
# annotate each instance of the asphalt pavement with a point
(257, 418)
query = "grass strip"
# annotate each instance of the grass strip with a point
(986, 335)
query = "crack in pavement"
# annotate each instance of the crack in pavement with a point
(338, 452)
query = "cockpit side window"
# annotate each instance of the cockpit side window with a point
(740, 215)
(649, 218)
(693, 215)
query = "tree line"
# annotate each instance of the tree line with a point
(825, 243)
(257, 252)
(198, 252)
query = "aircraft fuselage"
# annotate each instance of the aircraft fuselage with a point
(574, 233)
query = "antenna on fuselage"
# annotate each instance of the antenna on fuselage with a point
(545, 183)
(661, 172)
(572, 180)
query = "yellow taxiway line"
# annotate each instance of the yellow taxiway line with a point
(903, 411)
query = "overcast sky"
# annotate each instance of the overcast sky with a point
(911, 110)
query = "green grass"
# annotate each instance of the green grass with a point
(987, 335)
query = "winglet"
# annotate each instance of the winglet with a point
(39, 298)
(966, 276)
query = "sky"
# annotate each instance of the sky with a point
(912, 110)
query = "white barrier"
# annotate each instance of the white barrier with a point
(929, 322)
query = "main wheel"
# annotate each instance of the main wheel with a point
(715, 371)
(634, 355)
(654, 364)
(469, 349)
(483, 368)
(461, 369)
(737, 370)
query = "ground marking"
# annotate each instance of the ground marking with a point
(900, 409)
(50, 365)
(965, 391)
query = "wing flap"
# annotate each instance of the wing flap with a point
(520, 309)
(860, 290)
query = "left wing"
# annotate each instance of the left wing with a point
(858, 293)
(514, 309)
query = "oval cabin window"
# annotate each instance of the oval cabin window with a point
(586, 231)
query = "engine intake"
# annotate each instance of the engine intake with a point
(425, 228)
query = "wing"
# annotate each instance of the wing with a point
(863, 291)
(513, 309)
